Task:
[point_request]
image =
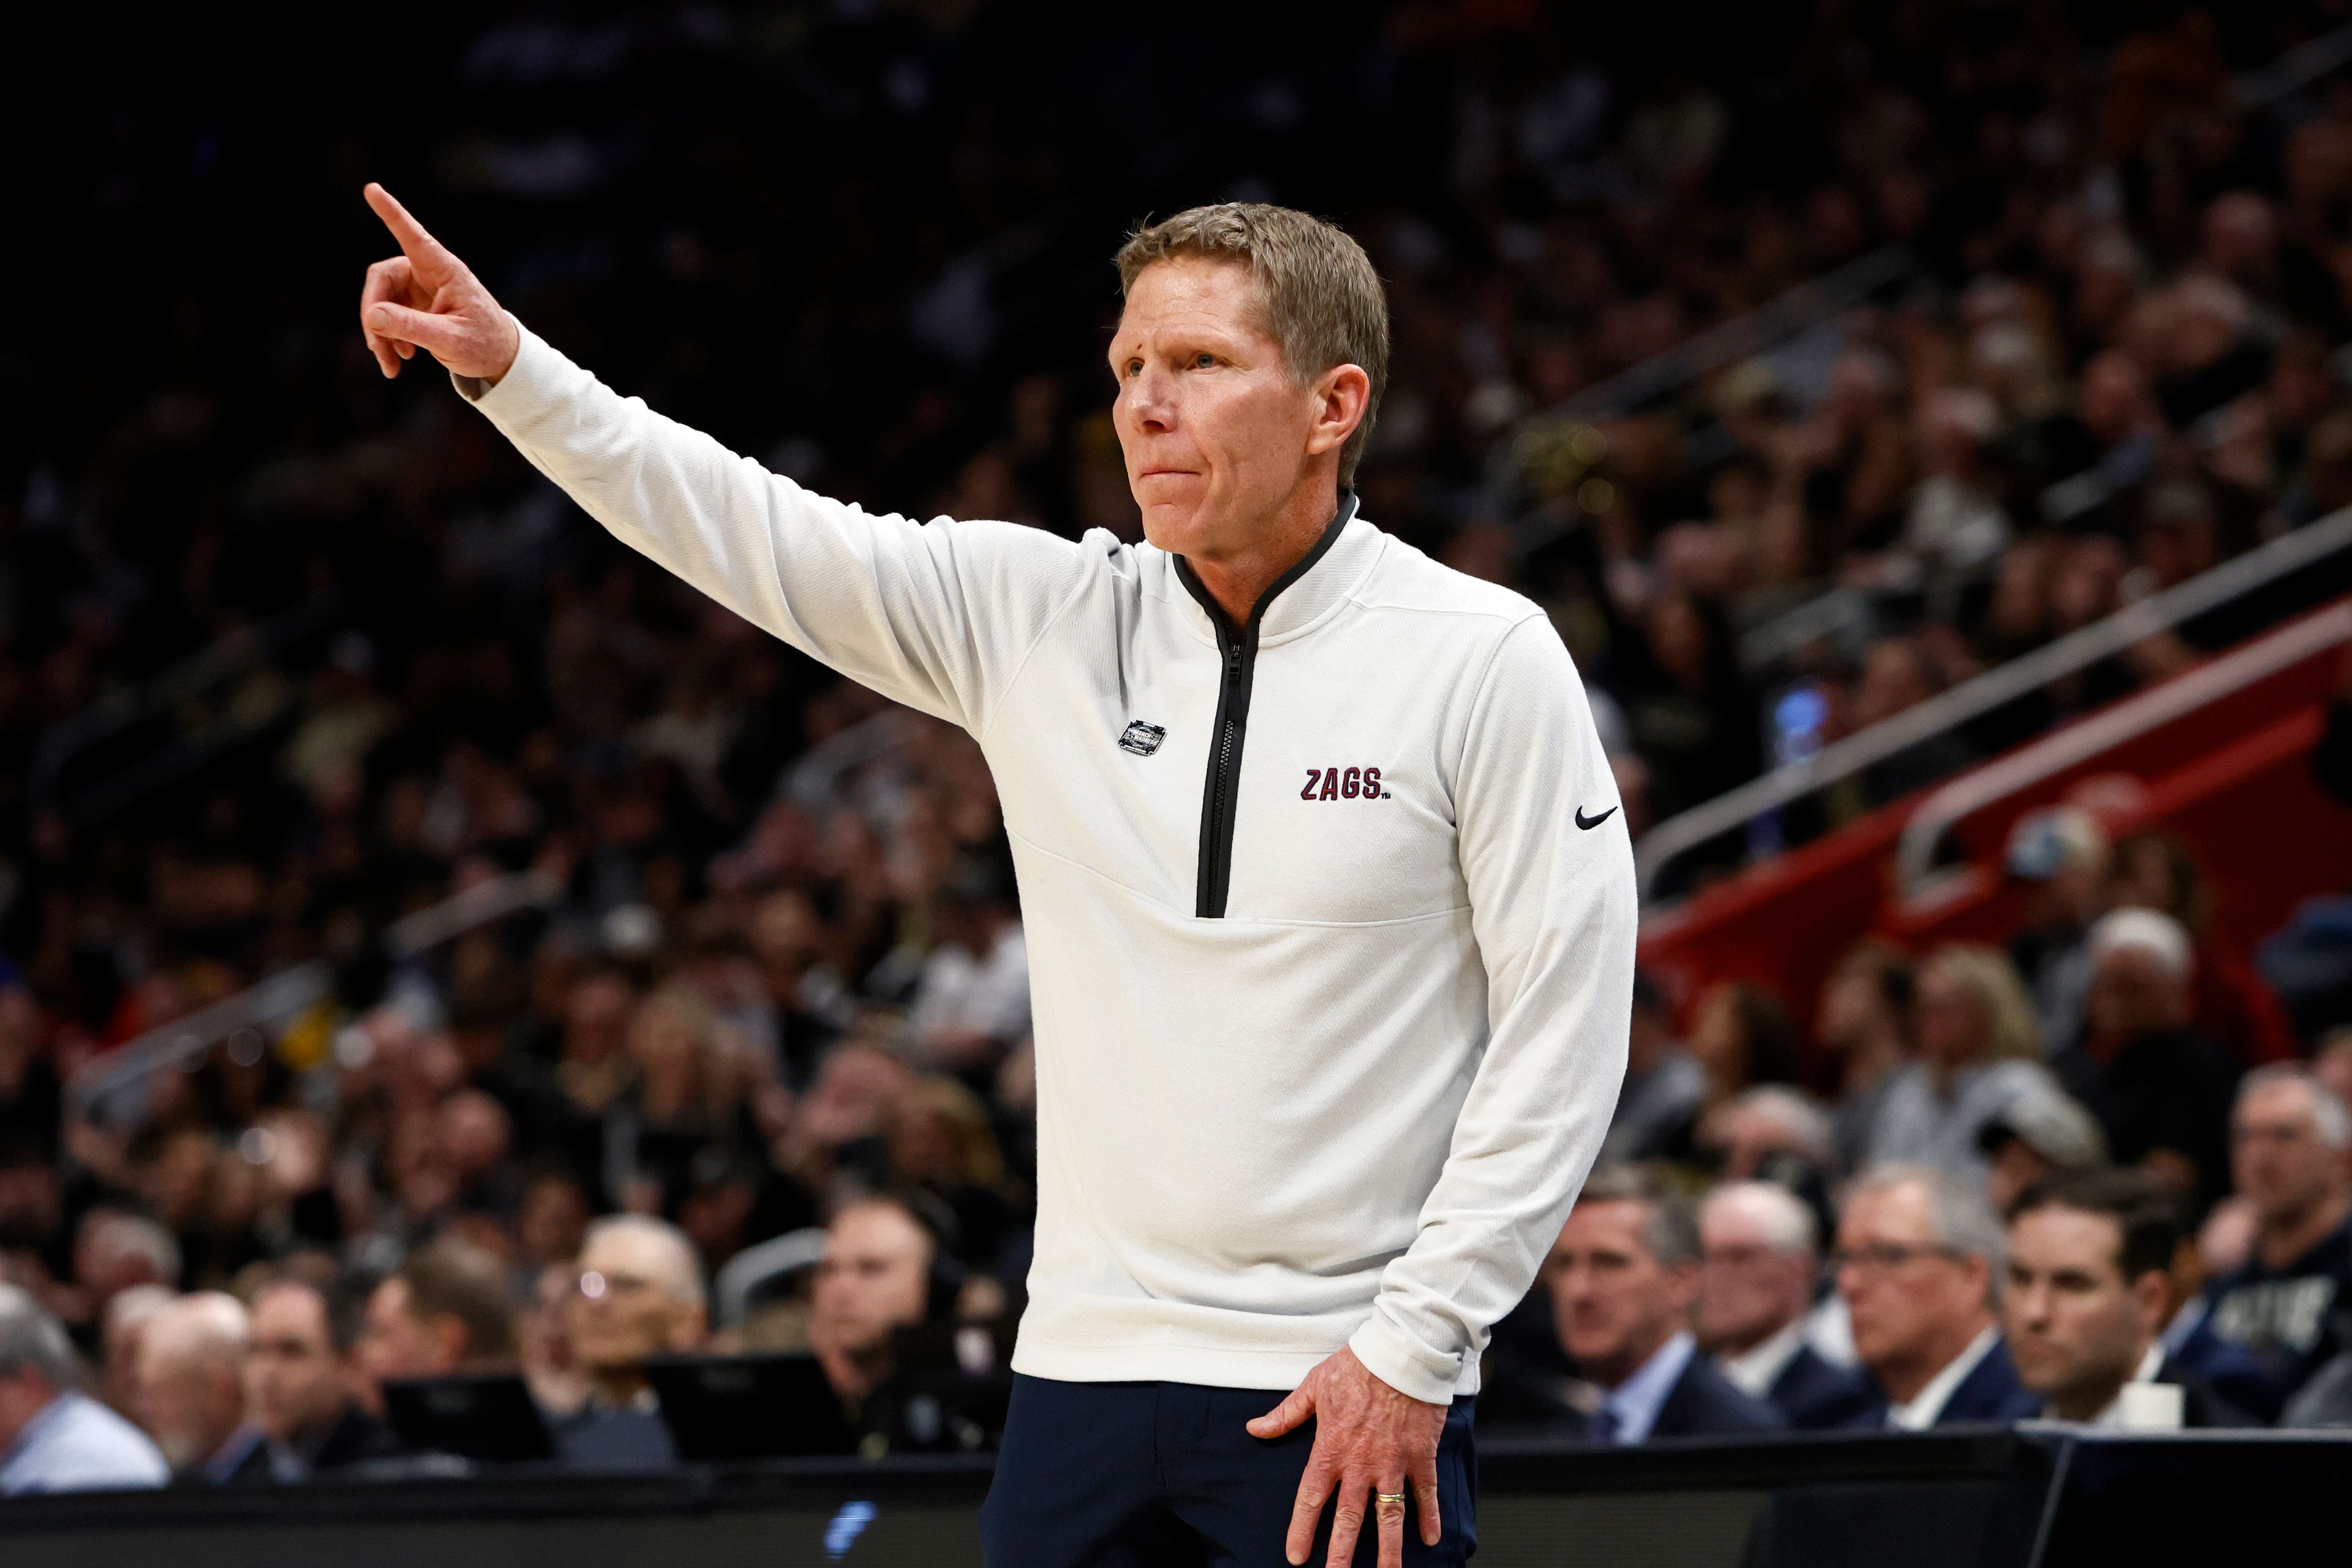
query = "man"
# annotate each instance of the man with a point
(300, 1383)
(119, 1329)
(640, 1295)
(447, 1312)
(2291, 1139)
(2089, 1290)
(883, 1272)
(2061, 855)
(1758, 1265)
(2037, 1135)
(1918, 1257)
(192, 1394)
(1769, 1130)
(53, 1436)
(874, 1278)
(1622, 1278)
(2157, 1089)
(1864, 1022)
(1326, 892)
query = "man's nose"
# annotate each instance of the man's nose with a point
(1150, 402)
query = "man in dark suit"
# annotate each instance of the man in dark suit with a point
(300, 1384)
(1621, 1280)
(1917, 1262)
(1758, 1265)
(2090, 1260)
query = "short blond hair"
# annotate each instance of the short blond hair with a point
(1322, 300)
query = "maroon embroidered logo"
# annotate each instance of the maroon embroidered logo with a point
(1343, 784)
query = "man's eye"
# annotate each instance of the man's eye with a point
(1203, 360)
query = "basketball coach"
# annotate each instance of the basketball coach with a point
(1329, 902)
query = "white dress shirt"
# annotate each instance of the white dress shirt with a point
(1756, 1369)
(1634, 1404)
(1919, 1412)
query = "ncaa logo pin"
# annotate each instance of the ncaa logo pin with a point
(1142, 739)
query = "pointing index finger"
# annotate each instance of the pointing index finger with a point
(414, 242)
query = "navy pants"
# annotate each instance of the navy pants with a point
(1154, 1475)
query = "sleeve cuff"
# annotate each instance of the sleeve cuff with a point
(1405, 1365)
(524, 381)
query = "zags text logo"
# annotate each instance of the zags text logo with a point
(1343, 784)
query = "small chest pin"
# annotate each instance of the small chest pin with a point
(1142, 739)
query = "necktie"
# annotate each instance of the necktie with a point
(1601, 1429)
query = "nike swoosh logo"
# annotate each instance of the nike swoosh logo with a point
(1585, 822)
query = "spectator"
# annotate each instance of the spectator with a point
(2289, 1138)
(2160, 1092)
(1864, 1025)
(2234, 1006)
(446, 1312)
(1770, 1131)
(640, 1295)
(192, 1394)
(53, 1436)
(1978, 1053)
(2090, 1264)
(1657, 1108)
(1623, 1279)
(115, 1251)
(971, 1003)
(2061, 855)
(874, 1278)
(1740, 1036)
(1759, 1268)
(941, 1145)
(2034, 1137)
(301, 1383)
(120, 1330)
(543, 1342)
(1917, 1261)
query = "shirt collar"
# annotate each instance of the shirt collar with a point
(223, 1463)
(2184, 1324)
(1758, 1367)
(47, 1416)
(1636, 1402)
(1315, 582)
(2150, 1362)
(1919, 1412)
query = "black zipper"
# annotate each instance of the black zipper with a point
(1237, 647)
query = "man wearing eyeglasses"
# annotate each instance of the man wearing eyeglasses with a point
(1918, 1262)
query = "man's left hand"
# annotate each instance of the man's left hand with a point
(1369, 1439)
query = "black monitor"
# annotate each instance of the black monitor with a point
(492, 1420)
(749, 1407)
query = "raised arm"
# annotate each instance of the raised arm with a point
(939, 617)
(426, 298)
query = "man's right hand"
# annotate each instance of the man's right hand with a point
(426, 299)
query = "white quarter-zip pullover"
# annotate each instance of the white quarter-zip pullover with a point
(1331, 917)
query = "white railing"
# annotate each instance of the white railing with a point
(285, 995)
(1972, 698)
(1915, 851)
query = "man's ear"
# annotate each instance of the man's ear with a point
(448, 1333)
(686, 1326)
(1342, 394)
(2152, 1292)
(1684, 1277)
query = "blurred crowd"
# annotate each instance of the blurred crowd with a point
(2093, 1176)
(752, 1076)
